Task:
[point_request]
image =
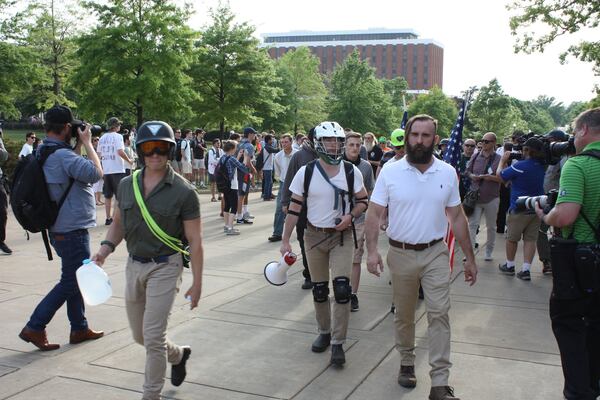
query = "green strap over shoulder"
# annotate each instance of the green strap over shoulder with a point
(170, 241)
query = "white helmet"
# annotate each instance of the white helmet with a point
(329, 129)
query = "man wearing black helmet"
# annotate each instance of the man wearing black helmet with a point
(154, 266)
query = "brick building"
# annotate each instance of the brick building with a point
(392, 52)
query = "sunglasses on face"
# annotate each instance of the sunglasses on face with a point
(484, 141)
(155, 147)
(469, 145)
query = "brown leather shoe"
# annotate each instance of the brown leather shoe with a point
(37, 338)
(406, 377)
(442, 393)
(82, 336)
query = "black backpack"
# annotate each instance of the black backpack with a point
(178, 149)
(30, 201)
(221, 175)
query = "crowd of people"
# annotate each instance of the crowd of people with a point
(338, 189)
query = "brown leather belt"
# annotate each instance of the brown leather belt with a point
(326, 230)
(415, 247)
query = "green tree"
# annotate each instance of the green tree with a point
(234, 78)
(560, 18)
(537, 119)
(15, 70)
(573, 110)
(358, 99)
(556, 109)
(303, 90)
(494, 111)
(439, 106)
(396, 88)
(134, 61)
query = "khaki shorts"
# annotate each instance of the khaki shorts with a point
(186, 167)
(522, 225)
(360, 241)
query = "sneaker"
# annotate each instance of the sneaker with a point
(108, 221)
(407, 377)
(247, 215)
(5, 249)
(506, 270)
(178, 371)
(274, 238)
(442, 393)
(338, 358)
(232, 232)
(488, 257)
(243, 221)
(547, 268)
(353, 302)
(225, 228)
(524, 275)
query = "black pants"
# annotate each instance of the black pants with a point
(502, 209)
(576, 326)
(300, 228)
(3, 212)
(231, 201)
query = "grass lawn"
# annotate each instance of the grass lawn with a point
(19, 135)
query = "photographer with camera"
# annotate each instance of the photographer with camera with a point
(575, 299)
(551, 182)
(527, 179)
(68, 176)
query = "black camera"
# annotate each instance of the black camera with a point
(552, 151)
(96, 130)
(546, 202)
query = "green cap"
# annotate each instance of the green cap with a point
(397, 137)
(382, 139)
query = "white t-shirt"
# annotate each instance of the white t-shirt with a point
(321, 196)
(26, 150)
(281, 162)
(268, 160)
(213, 158)
(108, 146)
(186, 151)
(417, 202)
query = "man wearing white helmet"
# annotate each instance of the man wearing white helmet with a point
(334, 195)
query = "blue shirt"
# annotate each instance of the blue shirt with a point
(246, 145)
(526, 177)
(79, 209)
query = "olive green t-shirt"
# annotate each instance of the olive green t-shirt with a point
(171, 202)
(580, 183)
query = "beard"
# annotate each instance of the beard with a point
(419, 154)
(369, 146)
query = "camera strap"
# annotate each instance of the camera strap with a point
(596, 230)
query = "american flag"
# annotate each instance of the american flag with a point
(452, 156)
(454, 150)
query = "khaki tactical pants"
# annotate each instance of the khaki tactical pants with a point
(149, 295)
(325, 253)
(431, 268)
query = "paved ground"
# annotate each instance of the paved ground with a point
(251, 340)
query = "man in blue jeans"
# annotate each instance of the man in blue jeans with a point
(281, 163)
(268, 154)
(67, 172)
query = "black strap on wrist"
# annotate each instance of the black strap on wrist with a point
(109, 244)
(293, 200)
(292, 212)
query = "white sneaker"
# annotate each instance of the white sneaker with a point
(232, 232)
(247, 215)
(488, 257)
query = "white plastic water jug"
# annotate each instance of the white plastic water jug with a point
(93, 282)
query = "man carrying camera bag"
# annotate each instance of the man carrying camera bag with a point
(575, 299)
(69, 177)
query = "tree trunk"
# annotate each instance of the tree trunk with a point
(139, 110)
(222, 129)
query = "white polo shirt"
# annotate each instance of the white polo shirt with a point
(321, 195)
(417, 201)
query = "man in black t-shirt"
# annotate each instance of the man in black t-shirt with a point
(198, 165)
(374, 152)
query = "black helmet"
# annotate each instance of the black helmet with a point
(154, 130)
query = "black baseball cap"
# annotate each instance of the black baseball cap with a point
(248, 130)
(534, 143)
(557, 134)
(61, 115)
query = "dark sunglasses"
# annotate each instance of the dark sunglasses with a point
(486, 141)
(469, 145)
(155, 147)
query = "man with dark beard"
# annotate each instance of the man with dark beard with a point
(418, 221)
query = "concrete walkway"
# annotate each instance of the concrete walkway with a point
(251, 340)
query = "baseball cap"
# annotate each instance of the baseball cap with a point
(60, 115)
(558, 135)
(534, 143)
(381, 139)
(248, 130)
(113, 121)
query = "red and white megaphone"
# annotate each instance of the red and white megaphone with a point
(276, 271)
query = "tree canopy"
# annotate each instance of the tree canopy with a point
(439, 106)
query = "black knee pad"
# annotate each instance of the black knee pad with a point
(342, 289)
(320, 292)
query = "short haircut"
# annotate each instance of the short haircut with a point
(198, 130)
(216, 140)
(299, 136)
(268, 138)
(287, 136)
(234, 136)
(229, 145)
(29, 134)
(590, 118)
(186, 131)
(421, 117)
(355, 135)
